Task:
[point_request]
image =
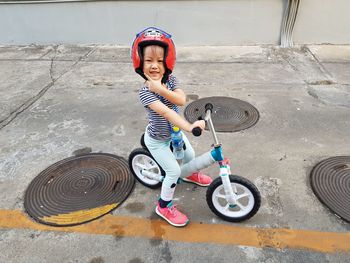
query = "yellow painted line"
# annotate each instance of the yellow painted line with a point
(126, 226)
(78, 216)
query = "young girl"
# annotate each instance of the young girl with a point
(153, 55)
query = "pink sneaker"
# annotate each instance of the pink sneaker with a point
(198, 178)
(172, 215)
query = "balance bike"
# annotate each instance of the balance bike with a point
(231, 197)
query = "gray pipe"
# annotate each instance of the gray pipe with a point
(288, 23)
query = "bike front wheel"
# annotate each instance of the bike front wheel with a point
(247, 199)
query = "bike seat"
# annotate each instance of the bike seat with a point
(142, 141)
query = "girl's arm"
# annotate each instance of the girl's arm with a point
(175, 118)
(176, 96)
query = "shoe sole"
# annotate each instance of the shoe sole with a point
(171, 223)
(193, 182)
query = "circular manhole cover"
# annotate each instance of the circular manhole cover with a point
(229, 114)
(330, 181)
(78, 189)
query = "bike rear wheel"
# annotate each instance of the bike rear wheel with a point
(247, 198)
(141, 160)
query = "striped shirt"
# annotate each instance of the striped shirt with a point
(158, 127)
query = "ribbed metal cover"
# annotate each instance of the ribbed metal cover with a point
(330, 181)
(78, 189)
(229, 114)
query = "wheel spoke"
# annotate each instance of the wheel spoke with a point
(152, 166)
(141, 166)
(221, 196)
(242, 195)
(242, 207)
(234, 188)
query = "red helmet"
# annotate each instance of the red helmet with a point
(153, 36)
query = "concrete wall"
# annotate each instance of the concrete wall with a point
(323, 22)
(230, 22)
(191, 22)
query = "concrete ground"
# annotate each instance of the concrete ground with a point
(55, 100)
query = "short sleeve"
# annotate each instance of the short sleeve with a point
(173, 83)
(147, 97)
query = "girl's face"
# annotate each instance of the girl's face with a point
(153, 62)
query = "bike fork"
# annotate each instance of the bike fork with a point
(230, 192)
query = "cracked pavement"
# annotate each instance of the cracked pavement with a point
(56, 101)
(30, 101)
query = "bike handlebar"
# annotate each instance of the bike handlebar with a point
(198, 131)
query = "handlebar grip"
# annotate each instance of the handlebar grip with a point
(197, 131)
(209, 106)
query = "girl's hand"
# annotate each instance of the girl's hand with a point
(200, 124)
(155, 86)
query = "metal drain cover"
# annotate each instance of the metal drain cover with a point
(330, 181)
(229, 114)
(78, 189)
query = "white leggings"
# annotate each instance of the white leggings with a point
(160, 150)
